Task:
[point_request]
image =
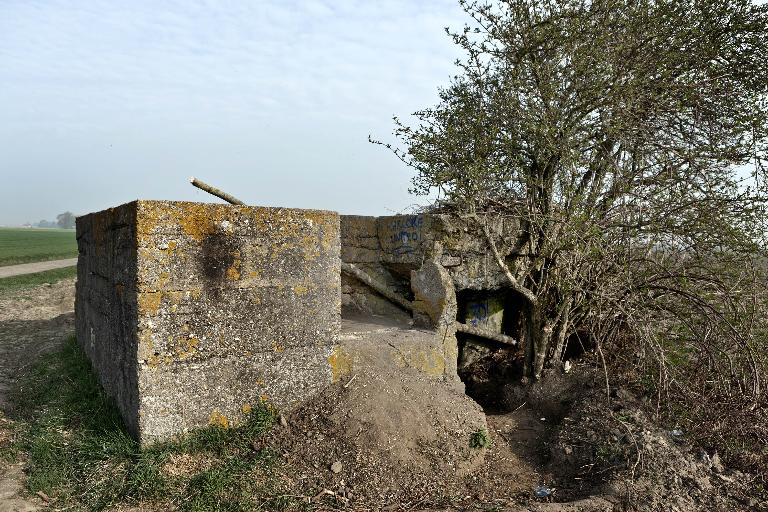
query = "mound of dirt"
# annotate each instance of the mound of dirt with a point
(383, 437)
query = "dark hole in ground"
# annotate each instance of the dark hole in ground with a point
(577, 345)
(485, 366)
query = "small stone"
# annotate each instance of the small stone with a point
(282, 420)
(717, 465)
(568, 450)
(336, 467)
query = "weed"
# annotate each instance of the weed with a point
(480, 439)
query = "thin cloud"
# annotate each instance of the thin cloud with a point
(98, 69)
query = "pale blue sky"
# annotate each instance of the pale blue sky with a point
(105, 102)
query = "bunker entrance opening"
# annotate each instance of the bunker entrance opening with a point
(486, 366)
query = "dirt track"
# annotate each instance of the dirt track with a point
(32, 268)
(32, 322)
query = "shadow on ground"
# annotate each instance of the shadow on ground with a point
(22, 343)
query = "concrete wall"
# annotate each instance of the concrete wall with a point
(400, 250)
(192, 313)
(395, 245)
(106, 308)
(360, 245)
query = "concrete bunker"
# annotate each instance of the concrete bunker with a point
(193, 313)
(438, 263)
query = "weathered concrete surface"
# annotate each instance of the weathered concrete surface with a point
(360, 246)
(395, 245)
(485, 311)
(372, 344)
(406, 240)
(105, 303)
(435, 305)
(192, 313)
(400, 250)
(403, 253)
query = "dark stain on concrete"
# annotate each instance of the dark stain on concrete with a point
(219, 253)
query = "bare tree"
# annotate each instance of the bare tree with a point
(629, 137)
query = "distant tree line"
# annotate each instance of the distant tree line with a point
(64, 220)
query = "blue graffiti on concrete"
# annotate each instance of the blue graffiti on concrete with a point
(478, 313)
(406, 234)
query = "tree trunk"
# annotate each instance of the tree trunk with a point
(544, 337)
(562, 332)
(528, 336)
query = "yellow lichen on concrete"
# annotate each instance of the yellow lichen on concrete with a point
(217, 419)
(301, 289)
(341, 363)
(162, 279)
(185, 347)
(169, 248)
(424, 305)
(177, 297)
(328, 227)
(290, 230)
(233, 272)
(197, 226)
(197, 220)
(149, 302)
(146, 346)
(450, 345)
(430, 362)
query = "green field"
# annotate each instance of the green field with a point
(26, 245)
(9, 285)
